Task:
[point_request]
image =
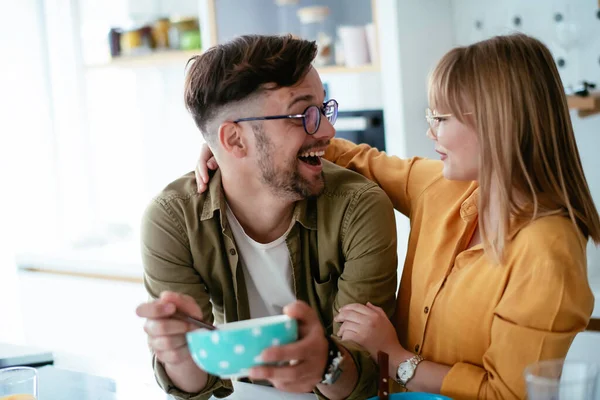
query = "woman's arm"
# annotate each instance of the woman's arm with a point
(402, 179)
(370, 327)
(546, 302)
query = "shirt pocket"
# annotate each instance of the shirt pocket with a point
(326, 291)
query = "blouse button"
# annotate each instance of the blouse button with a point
(426, 310)
(417, 347)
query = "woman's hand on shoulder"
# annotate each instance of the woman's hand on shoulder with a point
(205, 162)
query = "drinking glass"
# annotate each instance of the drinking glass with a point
(561, 380)
(18, 383)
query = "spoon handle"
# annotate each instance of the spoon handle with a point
(197, 322)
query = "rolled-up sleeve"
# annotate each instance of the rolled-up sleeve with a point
(168, 265)
(526, 329)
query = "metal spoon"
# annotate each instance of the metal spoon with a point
(192, 320)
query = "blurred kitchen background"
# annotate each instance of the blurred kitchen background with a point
(92, 125)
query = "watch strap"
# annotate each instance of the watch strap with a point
(414, 361)
(333, 368)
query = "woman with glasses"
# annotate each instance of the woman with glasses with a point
(495, 276)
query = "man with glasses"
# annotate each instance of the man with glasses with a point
(278, 230)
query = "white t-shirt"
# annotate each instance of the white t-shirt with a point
(267, 271)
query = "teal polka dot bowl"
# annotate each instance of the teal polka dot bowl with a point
(414, 396)
(232, 349)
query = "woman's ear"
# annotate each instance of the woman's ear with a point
(232, 140)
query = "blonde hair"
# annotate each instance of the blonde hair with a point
(529, 164)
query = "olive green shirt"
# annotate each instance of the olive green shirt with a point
(342, 248)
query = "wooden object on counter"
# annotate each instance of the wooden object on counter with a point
(384, 379)
(585, 106)
(594, 325)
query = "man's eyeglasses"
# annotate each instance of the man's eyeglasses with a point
(434, 120)
(311, 117)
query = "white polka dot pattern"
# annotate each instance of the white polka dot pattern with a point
(239, 349)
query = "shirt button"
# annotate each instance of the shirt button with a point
(426, 310)
(232, 252)
(417, 347)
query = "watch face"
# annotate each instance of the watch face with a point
(405, 371)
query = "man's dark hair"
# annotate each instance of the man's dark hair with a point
(235, 70)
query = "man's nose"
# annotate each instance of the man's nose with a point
(326, 130)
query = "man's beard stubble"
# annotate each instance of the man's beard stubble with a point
(285, 181)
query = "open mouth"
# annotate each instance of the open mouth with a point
(311, 157)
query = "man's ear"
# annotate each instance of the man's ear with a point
(232, 139)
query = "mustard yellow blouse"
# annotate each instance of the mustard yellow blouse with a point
(455, 307)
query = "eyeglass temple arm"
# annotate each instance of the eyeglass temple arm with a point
(270, 117)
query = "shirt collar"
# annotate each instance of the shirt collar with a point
(469, 212)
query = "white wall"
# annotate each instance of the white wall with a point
(413, 35)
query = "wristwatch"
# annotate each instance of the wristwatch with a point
(333, 368)
(406, 370)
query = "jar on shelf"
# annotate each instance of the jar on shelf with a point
(160, 33)
(184, 34)
(317, 27)
(136, 41)
(286, 16)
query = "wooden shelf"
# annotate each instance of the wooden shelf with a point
(155, 59)
(585, 106)
(163, 58)
(340, 69)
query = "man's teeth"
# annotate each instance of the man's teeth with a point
(313, 154)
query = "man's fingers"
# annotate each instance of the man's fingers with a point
(165, 327)
(301, 312)
(297, 378)
(173, 357)
(299, 350)
(155, 309)
(162, 343)
(287, 373)
(183, 303)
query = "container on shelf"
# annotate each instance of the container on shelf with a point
(372, 42)
(286, 15)
(317, 27)
(354, 45)
(135, 40)
(160, 33)
(184, 34)
(114, 41)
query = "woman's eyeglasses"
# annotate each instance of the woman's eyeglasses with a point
(311, 117)
(434, 120)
